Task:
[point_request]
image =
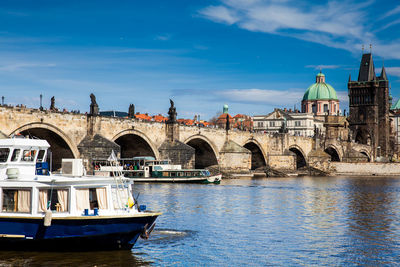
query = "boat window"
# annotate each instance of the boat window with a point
(16, 200)
(119, 196)
(41, 155)
(93, 198)
(165, 174)
(4, 154)
(57, 199)
(173, 174)
(15, 155)
(28, 155)
(82, 199)
(101, 197)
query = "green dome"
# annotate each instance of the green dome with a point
(320, 91)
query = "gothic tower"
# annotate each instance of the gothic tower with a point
(369, 108)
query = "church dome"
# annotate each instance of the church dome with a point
(320, 90)
(225, 109)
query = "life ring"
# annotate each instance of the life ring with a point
(96, 167)
(131, 167)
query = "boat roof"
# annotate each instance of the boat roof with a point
(24, 142)
(145, 158)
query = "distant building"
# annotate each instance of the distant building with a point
(143, 117)
(299, 124)
(239, 121)
(395, 120)
(221, 121)
(320, 98)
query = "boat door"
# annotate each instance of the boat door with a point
(146, 171)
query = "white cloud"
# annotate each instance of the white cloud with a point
(259, 96)
(338, 24)
(219, 14)
(343, 97)
(24, 65)
(317, 67)
(395, 71)
(163, 37)
(392, 12)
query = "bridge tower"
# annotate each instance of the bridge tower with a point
(369, 108)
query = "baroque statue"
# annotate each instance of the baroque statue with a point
(172, 112)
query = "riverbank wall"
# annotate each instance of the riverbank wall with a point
(367, 168)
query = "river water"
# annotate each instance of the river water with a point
(269, 221)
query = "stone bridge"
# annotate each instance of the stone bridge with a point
(86, 136)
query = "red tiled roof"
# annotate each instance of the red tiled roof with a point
(143, 117)
(159, 118)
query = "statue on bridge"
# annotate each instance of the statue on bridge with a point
(227, 126)
(94, 108)
(52, 104)
(172, 112)
(284, 128)
(131, 111)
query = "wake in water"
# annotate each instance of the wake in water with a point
(168, 236)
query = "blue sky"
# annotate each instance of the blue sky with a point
(252, 55)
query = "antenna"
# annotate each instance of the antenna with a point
(370, 48)
(362, 48)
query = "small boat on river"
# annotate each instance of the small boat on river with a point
(148, 169)
(70, 211)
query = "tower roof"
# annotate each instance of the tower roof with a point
(383, 74)
(367, 69)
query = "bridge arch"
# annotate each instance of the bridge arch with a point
(258, 158)
(333, 152)
(135, 143)
(205, 151)
(300, 158)
(61, 146)
(366, 153)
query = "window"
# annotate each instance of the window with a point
(93, 198)
(271, 124)
(325, 107)
(28, 155)
(15, 155)
(57, 199)
(260, 124)
(4, 154)
(314, 108)
(16, 200)
(297, 123)
(40, 157)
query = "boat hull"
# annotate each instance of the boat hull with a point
(77, 234)
(216, 179)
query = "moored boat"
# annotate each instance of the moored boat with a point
(148, 169)
(70, 211)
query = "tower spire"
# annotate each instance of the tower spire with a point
(383, 73)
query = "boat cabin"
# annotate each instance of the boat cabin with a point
(28, 188)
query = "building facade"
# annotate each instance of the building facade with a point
(298, 124)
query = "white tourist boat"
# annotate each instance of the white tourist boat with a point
(70, 211)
